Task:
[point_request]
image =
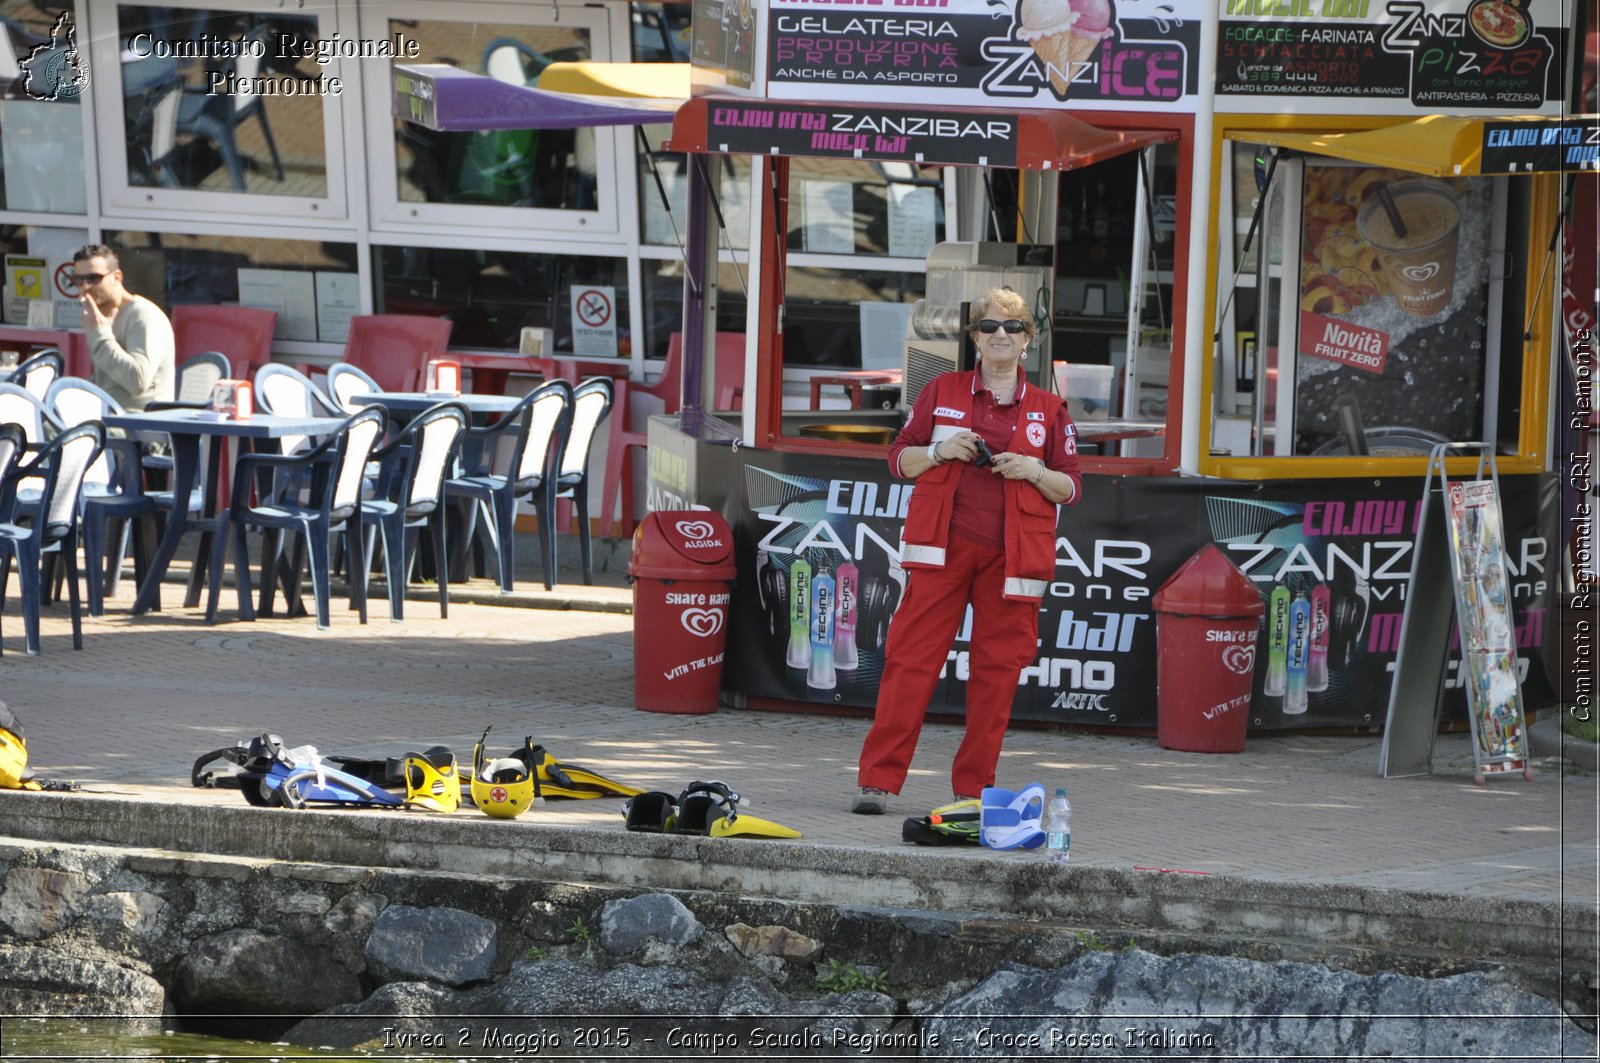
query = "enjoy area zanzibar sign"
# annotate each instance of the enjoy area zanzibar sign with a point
(1084, 54)
(1394, 56)
(955, 138)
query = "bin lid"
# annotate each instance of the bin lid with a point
(1208, 584)
(683, 544)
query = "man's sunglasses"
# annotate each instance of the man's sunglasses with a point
(86, 280)
(989, 326)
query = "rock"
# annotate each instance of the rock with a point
(626, 925)
(352, 914)
(248, 972)
(443, 945)
(35, 981)
(383, 1019)
(135, 911)
(1223, 1006)
(779, 941)
(38, 901)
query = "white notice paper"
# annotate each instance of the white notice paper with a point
(911, 221)
(830, 217)
(291, 294)
(594, 320)
(338, 300)
(883, 334)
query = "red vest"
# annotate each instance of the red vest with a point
(1030, 518)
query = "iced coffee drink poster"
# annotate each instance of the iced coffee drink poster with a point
(1089, 54)
(1392, 317)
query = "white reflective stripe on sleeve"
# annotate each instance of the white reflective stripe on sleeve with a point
(1025, 588)
(932, 555)
(941, 432)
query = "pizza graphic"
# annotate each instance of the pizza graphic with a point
(1499, 23)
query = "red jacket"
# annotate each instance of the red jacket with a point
(1030, 518)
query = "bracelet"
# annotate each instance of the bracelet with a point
(1043, 468)
(933, 454)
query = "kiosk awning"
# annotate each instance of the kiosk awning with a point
(449, 99)
(660, 81)
(948, 136)
(1444, 146)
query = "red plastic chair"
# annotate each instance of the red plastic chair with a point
(243, 333)
(394, 349)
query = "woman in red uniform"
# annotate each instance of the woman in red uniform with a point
(980, 530)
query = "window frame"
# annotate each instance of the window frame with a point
(124, 199)
(389, 214)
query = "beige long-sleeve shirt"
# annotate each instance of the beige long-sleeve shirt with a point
(133, 356)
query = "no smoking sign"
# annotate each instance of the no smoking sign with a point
(594, 321)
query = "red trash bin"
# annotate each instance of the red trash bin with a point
(1208, 619)
(683, 571)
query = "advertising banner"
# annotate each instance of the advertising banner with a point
(753, 127)
(1398, 57)
(1088, 54)
(817, 542)
(722, 45)
(1394, 288)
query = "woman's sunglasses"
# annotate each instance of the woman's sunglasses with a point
(988, 326)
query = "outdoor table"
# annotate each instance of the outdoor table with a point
(407, 404)
(185, 427)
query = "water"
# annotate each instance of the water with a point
(68, 1040)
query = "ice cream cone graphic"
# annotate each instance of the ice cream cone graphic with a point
(1064, 34)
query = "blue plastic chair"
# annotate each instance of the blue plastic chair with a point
(334, 469)
(591, 404)
(538, 426)
(411, 495)
(49, 525)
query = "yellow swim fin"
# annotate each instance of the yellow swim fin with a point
(742, 824)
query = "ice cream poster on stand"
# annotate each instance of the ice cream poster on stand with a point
(1394, 289)
(818, 547)
(1393, 57)
(1131, 54)
(1484, 621)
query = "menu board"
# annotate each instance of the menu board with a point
(1399, 57)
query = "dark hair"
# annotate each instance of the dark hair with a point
(88, 251)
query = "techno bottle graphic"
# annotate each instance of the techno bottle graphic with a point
(799, 613)
(1294, 702)
(1277, 642)
(820, 675)
(844, 634)
(1321, 621)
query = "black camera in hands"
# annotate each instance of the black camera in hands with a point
(985, 456)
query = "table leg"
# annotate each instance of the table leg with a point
(197, 575)
(185, 464)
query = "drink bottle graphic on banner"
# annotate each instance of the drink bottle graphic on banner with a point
(1321, 618)
(821, 674)
(1277, 642)
(1294, 701)
(799, 613)
(844, 631)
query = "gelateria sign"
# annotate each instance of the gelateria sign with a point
(1390, 56)
(1086, 54)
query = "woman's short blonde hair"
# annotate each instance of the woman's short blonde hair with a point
(1001, 303)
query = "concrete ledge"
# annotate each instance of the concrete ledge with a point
(1019, 886)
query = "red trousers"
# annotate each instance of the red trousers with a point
(1005, 639)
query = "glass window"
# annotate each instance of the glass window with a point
(661, 33)
(551, 168)
(312, 284)
(492, 295)
(836, 206)
(223, 101)
(41, 124)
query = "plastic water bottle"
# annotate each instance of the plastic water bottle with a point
(1294, 699)
(1277, 643)
(799, 655)
(845, 657)
(820, 673)
(1058, 827)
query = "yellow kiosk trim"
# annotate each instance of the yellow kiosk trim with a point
(660, 81)
(1437, 145)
